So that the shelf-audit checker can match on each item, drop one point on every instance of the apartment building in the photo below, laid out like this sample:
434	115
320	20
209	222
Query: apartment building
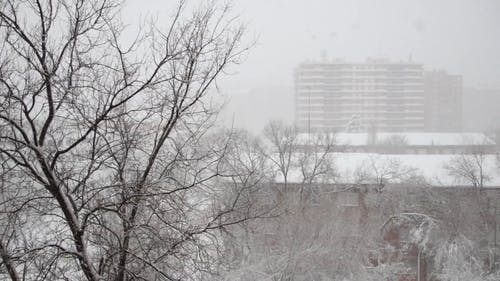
481	109
443	101
375	94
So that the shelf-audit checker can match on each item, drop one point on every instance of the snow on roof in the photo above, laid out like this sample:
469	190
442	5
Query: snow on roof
431	167
358	139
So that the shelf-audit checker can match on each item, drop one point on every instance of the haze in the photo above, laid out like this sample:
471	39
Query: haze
359	141
460	37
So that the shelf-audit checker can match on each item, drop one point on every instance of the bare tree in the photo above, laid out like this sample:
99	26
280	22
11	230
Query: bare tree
282	141
315	158
381	170
471	168
296	244
307	157
457	259
108	172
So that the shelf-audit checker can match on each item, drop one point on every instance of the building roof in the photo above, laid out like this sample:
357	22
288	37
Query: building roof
396	168
436	139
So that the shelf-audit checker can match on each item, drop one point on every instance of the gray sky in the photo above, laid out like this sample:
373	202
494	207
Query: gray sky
460	36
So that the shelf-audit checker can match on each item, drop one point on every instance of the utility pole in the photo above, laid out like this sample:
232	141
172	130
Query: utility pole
495	245
418	263
308	110
495	222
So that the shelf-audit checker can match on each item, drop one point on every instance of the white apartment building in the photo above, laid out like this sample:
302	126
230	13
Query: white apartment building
376	94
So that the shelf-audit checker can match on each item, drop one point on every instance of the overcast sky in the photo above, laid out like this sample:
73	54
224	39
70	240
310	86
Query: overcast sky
460	36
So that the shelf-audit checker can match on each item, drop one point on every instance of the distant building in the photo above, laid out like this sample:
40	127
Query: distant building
443	102
481	109
376	94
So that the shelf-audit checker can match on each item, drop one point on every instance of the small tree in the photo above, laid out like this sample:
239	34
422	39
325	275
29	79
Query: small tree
315	158
381	170
456	259
471	169
282	140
